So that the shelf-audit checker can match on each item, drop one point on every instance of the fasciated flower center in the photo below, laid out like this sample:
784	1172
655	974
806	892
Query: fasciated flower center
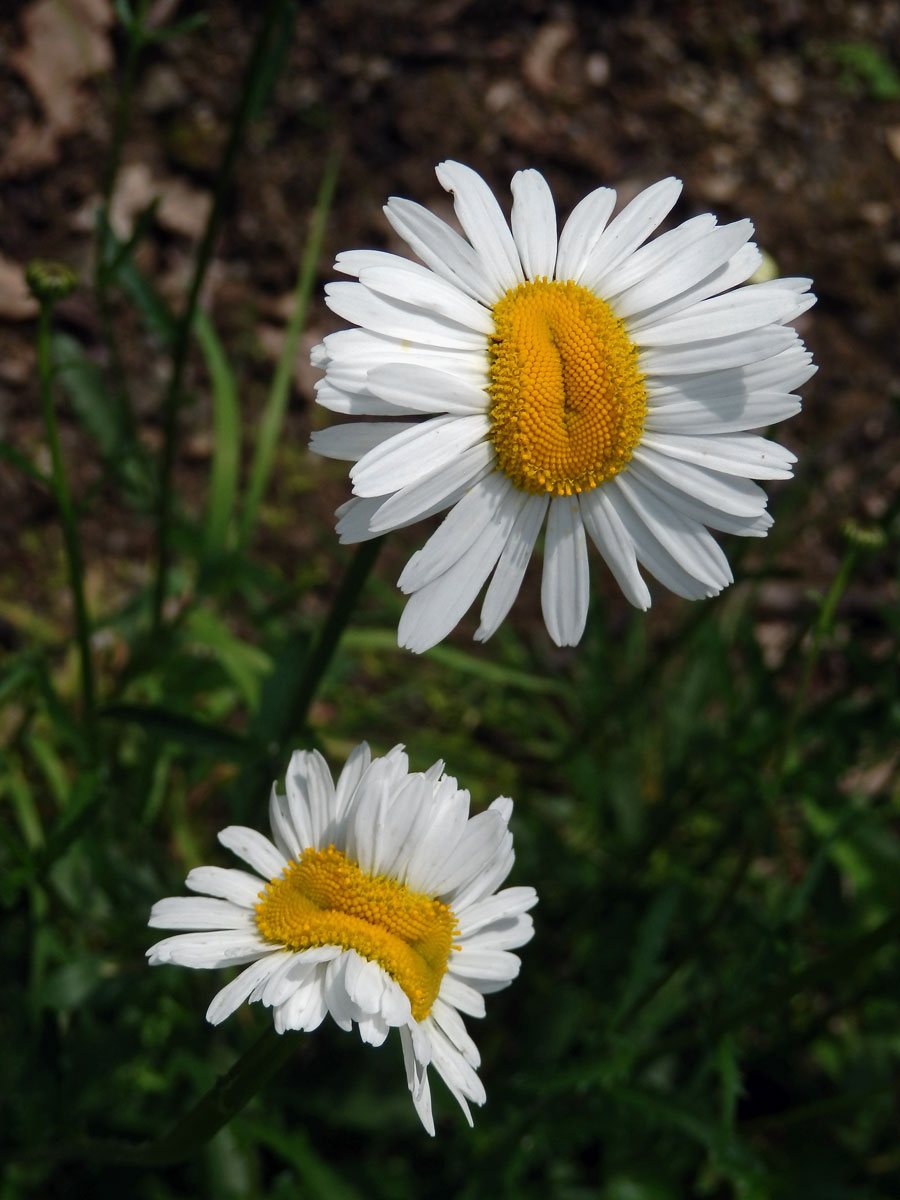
325	899
567	398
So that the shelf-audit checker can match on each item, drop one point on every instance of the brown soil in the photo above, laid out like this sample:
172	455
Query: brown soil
754	106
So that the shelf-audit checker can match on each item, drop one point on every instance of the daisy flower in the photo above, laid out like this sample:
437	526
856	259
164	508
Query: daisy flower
376	901
592	384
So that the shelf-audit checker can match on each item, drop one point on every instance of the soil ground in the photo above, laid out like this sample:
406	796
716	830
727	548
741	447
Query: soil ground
787	112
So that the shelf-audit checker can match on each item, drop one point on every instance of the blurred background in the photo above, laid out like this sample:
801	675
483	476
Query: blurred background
707	795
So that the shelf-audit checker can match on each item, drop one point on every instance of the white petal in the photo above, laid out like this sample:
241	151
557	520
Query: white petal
480	840
355	517
670	546
254	849
431	294
534	223
437	491
483	222
199	912
240	887
609	535
224	948
696	510
351	442
354	262
353	353
452	1026
441	248
731	454
630	228
508	903
233	995
373	1030
336	997
425	390
290	974
457	533
492	966
298	802
781	372
435	609
417	1081
433	839
504	935
359	305
415	453
685	270
650	258
726	414
304	1010
462	995
730	493
356	403
282	827
718	353
565	580
357	764
507	578
720	316
582	231
737	269
365	984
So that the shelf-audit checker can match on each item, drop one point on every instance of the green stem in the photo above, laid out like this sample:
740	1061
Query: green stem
338	618
273	416
257	67
820	629
69	521
102	272
228	1095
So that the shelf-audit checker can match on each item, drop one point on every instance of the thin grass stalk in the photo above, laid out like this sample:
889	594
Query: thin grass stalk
276	405
68	519
102	265
257	67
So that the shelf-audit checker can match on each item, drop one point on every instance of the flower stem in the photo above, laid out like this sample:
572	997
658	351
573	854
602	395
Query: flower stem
257	70
71	540
121	121
225	1099
341	610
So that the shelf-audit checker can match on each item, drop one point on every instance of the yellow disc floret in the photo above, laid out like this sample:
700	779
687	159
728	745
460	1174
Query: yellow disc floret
567	398
326	899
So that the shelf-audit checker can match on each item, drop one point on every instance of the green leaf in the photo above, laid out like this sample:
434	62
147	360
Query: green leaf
101	417
648	948
272	419
226	460
483	669
320	1180
10	454
246	665
180	728
871	66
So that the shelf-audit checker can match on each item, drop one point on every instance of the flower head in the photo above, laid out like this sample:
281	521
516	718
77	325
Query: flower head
375	902
593	384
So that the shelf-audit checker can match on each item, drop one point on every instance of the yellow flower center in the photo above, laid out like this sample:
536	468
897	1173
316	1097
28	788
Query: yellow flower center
325	899
567	398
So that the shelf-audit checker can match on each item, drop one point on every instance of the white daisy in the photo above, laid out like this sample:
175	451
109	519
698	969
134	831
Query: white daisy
589	382
377	903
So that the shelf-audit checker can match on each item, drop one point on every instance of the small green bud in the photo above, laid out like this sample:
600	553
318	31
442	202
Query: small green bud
864	537
49	281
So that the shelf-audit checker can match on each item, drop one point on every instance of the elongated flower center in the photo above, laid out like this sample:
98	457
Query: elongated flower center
325	899
567	399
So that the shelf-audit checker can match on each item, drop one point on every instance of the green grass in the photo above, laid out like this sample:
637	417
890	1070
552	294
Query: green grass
710	1004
